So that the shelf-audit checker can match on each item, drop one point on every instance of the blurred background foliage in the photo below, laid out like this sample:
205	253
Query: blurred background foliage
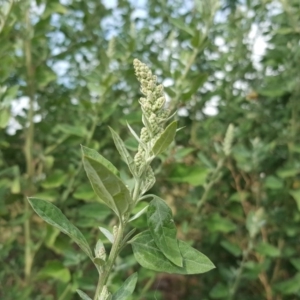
66	74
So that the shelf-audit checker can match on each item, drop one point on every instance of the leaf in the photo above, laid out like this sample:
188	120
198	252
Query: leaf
288	172
127	288
53	216
296	195
149	256
137	215
219	291
108	234
268	250
181	25
296	263
48	195
273	182
193	175
123	151
55	269
216	223
56	179
232	248
4	117
72	130
108	187
166	138
83	295
94	211
84	192
93	154
290	286
163	230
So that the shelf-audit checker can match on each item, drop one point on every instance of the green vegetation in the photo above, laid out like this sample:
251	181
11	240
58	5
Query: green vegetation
230	180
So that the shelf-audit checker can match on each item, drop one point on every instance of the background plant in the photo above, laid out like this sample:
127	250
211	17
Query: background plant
156	248
236	60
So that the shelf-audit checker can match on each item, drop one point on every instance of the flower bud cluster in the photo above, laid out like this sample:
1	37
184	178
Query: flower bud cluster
154	113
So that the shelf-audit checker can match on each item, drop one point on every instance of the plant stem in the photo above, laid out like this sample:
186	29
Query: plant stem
103	277
240	270
214	178
29	135
111	260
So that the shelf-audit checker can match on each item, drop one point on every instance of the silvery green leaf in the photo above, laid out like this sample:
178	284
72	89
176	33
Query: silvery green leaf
123	151
93	154
150	256
137	215
165	139
108	234
126	289
53	216
83	295
108	187
163	230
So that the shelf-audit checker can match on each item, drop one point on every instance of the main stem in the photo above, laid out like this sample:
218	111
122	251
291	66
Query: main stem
214	179
103	277
29	135
111	260
238	277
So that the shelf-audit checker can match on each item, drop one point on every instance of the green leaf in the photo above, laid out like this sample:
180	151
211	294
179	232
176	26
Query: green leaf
268	250
296	263
219	291
49	195
166	138
83	295
288	172
108	187
149	256
232	248
123	151
4	117
93	154
296	195
72	130
126	289
137	215
216	223
181	25
56	179
55	269
107	234
290	286
84	192
53	216
193	175
163	230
